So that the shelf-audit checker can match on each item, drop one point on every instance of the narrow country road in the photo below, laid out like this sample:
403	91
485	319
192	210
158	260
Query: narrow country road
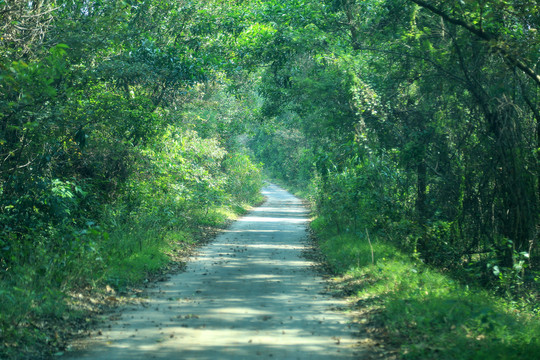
248	295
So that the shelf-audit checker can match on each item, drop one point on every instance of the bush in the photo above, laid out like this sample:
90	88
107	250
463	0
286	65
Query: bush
244	178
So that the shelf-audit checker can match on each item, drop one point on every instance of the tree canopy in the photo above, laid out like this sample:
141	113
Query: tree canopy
418	121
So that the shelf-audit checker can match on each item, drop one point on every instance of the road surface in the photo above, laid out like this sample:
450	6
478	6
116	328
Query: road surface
250	294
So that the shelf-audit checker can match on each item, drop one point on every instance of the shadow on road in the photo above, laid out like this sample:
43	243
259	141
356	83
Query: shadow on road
248	295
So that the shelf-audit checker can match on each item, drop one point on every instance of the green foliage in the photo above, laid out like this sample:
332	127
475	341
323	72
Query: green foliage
428	314
122	123
349	252
245	179
351	197
415	123
421	129
134	268
119	141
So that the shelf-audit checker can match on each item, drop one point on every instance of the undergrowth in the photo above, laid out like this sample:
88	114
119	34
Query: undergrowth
428	314
69	248
38	304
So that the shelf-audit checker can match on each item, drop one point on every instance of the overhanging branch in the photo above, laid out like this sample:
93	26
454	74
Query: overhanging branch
492	39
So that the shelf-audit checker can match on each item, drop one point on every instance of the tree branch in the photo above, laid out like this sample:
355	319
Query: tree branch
492	39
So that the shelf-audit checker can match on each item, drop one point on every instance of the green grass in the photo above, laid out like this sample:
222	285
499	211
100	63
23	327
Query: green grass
426	313
139	251
36	299
28	298
134	268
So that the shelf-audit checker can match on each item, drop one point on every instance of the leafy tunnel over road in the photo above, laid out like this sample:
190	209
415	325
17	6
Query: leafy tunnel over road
249	294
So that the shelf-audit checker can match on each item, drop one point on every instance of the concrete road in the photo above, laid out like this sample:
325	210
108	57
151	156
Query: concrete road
248	295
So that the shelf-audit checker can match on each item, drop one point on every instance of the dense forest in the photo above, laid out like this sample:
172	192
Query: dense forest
127	127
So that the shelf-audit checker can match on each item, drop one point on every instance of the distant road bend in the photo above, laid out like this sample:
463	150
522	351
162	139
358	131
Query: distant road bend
248	295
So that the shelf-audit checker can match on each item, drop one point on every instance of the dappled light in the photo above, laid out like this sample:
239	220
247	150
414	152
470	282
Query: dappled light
134	132
248	294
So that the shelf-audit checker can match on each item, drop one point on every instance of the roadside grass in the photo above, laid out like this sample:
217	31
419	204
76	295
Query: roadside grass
43	303
425	313
151	251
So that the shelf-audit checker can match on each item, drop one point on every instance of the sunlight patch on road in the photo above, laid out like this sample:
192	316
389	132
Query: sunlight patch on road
267	219
280	210
275	246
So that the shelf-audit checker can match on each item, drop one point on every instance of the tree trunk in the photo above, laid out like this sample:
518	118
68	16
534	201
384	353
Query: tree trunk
421	171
